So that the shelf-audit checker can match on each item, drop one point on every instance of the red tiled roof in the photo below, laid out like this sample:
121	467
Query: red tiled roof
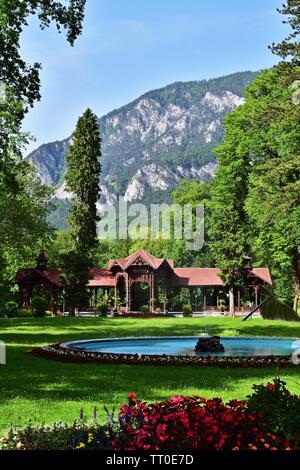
209	276
154	262
101	278
197	277
181	277
51	274
263	274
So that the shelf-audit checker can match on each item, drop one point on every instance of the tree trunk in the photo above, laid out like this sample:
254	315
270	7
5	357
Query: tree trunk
297	298
296	270
71	311
231	303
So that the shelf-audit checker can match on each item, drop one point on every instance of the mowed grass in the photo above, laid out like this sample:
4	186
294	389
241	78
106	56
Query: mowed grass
45	391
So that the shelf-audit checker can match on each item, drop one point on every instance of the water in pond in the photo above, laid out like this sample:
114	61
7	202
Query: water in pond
236	346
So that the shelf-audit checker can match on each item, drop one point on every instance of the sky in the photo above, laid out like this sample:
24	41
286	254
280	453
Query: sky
129	47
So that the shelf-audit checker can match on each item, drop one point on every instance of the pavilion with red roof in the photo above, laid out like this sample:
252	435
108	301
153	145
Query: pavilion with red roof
141	279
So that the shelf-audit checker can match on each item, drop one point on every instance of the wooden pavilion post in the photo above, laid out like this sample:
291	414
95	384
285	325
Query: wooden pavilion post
256	289
152	292
239	299
116	294
218	297
204	299
231	302
127	294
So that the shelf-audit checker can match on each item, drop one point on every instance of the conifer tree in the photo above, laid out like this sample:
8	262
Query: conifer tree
82	180
290	46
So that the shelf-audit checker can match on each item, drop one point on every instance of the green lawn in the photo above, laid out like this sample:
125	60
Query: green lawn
46	391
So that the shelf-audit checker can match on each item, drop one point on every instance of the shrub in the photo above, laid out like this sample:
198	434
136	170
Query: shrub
193	423
187	310
228	332
222	305
280	408
145	309
102	309
180	423
24	313
80	435
185	296
11	308
39	306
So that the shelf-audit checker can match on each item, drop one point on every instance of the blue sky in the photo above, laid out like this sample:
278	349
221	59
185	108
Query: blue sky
129	47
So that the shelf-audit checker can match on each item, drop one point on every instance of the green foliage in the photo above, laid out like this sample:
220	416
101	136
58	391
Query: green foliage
79	435
60	244
24	313
187	310
195	193
255	197
82	179
23	225
185	296
273	202
75	278
14	72
229	225
11	308
281	409
58	215
228	332
102	309
272	309
290	46
39	306
222	305
145	309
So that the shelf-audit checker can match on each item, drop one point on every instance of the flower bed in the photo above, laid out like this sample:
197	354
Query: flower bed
144	315
179	423
60	353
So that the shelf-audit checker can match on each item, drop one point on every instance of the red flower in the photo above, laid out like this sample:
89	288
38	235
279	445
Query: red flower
271	387
131	396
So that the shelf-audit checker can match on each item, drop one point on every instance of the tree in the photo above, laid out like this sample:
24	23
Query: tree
258	182
75	279
290	47
22	78
193	192
82	179
229	227
273	204
23	225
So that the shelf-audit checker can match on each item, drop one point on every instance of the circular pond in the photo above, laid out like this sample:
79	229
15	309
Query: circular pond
185	345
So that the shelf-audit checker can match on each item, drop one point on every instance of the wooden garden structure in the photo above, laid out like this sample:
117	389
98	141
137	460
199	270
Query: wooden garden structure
142	279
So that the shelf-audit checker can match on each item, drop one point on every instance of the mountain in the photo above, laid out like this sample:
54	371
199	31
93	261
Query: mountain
150	144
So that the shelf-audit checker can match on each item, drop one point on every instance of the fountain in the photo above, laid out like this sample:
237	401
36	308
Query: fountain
209	344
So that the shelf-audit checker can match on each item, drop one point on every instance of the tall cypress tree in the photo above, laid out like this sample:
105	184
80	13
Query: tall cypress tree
82	179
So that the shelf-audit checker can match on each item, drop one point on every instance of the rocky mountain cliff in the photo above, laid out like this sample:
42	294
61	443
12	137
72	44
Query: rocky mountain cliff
153	142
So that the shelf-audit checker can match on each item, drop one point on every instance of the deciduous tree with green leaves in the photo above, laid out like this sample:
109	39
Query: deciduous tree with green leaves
256	192
229	226
21	77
